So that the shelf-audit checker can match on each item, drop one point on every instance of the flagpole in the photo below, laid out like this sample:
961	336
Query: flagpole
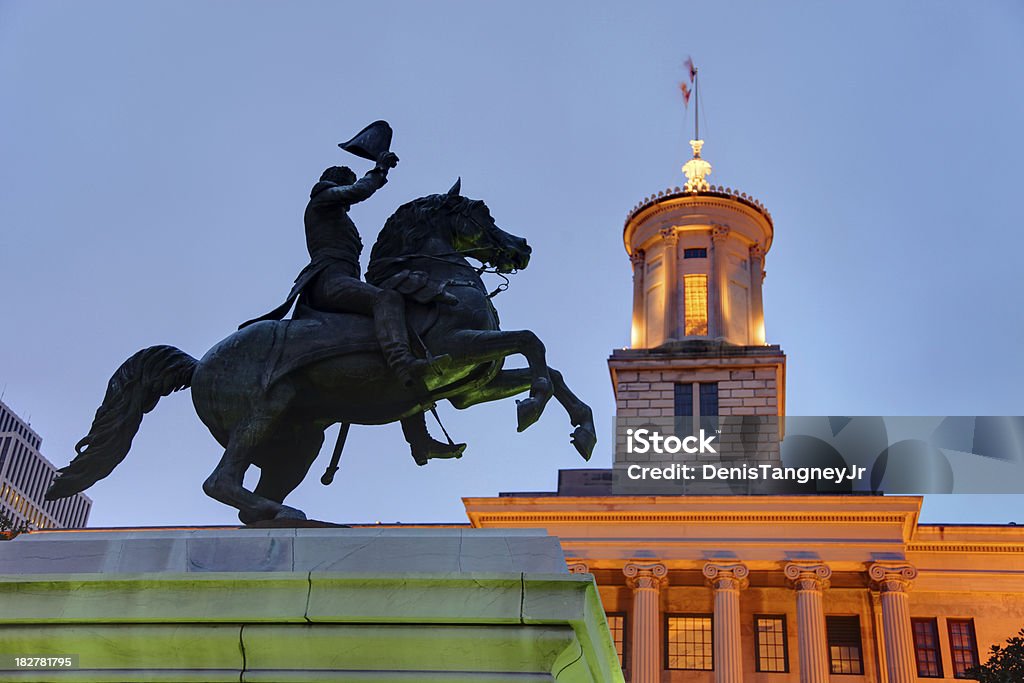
696	105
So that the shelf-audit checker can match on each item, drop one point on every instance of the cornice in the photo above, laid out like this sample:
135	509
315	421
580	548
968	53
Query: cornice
671	202
716	192
675	517
965	548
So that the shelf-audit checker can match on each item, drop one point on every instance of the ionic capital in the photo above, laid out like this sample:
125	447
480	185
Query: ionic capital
719	232
669	235
637	257
756	252
808	577
577	567
650	576
892	577
726	576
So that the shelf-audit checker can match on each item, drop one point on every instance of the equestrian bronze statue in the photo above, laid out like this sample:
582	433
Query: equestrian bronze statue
269	391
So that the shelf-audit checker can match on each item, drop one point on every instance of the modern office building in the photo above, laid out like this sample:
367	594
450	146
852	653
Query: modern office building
24	477
755	588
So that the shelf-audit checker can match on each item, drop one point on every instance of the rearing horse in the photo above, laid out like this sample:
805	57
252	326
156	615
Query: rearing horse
268	392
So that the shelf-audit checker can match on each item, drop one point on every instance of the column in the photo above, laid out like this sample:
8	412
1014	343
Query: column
727	580
718	283
671	260
756	303
809	581
636	339
646	580
893	582
876	613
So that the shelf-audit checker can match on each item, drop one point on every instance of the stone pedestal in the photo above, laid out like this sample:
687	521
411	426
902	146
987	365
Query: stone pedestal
288	605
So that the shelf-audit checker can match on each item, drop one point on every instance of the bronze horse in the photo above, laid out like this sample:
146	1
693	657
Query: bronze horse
269	391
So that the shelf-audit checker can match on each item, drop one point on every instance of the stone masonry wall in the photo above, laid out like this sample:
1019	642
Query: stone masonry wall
651	392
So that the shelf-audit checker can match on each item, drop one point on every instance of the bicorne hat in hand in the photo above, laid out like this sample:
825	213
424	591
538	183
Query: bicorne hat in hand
370	142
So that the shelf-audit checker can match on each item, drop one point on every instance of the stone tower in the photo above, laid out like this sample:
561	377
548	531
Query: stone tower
698	334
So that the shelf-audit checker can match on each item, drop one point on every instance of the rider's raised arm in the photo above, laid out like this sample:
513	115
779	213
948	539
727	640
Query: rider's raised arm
360	189
369	183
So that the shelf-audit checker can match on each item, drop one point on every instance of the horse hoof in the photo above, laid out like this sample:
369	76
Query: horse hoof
584	440
289	513
528	411
248	518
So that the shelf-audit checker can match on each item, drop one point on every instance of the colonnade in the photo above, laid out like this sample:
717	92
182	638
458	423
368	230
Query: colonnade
808	580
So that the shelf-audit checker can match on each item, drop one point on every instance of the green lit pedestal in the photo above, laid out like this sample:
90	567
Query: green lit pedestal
301	605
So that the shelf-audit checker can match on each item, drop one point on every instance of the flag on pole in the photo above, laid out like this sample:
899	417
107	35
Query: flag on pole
685	89
691	68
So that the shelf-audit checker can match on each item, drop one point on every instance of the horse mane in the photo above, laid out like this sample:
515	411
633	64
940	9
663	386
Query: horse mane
407	229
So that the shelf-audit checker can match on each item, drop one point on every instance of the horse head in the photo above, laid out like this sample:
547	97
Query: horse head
475	234
459	224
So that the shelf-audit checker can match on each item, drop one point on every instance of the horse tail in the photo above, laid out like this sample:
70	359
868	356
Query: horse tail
132	392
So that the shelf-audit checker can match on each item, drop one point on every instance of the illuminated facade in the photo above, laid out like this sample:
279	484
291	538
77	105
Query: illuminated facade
24	477
755	589
780	589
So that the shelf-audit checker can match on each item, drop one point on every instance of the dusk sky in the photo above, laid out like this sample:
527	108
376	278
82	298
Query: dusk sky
156	158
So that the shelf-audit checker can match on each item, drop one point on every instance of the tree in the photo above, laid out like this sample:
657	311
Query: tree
1005	663
8	529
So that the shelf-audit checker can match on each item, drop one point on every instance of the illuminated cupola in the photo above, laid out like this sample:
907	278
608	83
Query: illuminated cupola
698	262
698	345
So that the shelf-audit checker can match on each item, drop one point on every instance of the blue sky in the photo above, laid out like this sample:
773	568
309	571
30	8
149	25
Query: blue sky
155	159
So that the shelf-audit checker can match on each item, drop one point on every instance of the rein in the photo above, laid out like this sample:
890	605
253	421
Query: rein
493	270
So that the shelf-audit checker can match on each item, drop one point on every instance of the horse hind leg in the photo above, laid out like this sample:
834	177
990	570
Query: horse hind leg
225	483
286	464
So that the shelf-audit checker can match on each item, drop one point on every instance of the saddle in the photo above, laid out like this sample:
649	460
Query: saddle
312	335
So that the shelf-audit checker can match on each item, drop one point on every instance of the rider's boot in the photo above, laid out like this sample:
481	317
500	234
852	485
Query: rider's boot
423	446
393	335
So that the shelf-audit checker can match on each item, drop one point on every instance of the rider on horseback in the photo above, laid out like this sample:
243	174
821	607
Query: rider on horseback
330	282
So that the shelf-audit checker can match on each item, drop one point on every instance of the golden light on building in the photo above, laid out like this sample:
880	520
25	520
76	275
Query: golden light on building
695	303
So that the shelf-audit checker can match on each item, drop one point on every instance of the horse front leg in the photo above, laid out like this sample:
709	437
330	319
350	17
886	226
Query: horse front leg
584	437
477	346
508	383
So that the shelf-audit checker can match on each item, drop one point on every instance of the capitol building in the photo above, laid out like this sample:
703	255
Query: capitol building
755	588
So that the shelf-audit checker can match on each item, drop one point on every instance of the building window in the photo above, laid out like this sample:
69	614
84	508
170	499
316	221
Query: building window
770	643
926	648
695	301
617	626
684	400
709	406
688	642
703	396
844	644
695	253
963	648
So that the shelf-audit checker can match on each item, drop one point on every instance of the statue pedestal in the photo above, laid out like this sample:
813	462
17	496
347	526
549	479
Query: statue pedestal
283	605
